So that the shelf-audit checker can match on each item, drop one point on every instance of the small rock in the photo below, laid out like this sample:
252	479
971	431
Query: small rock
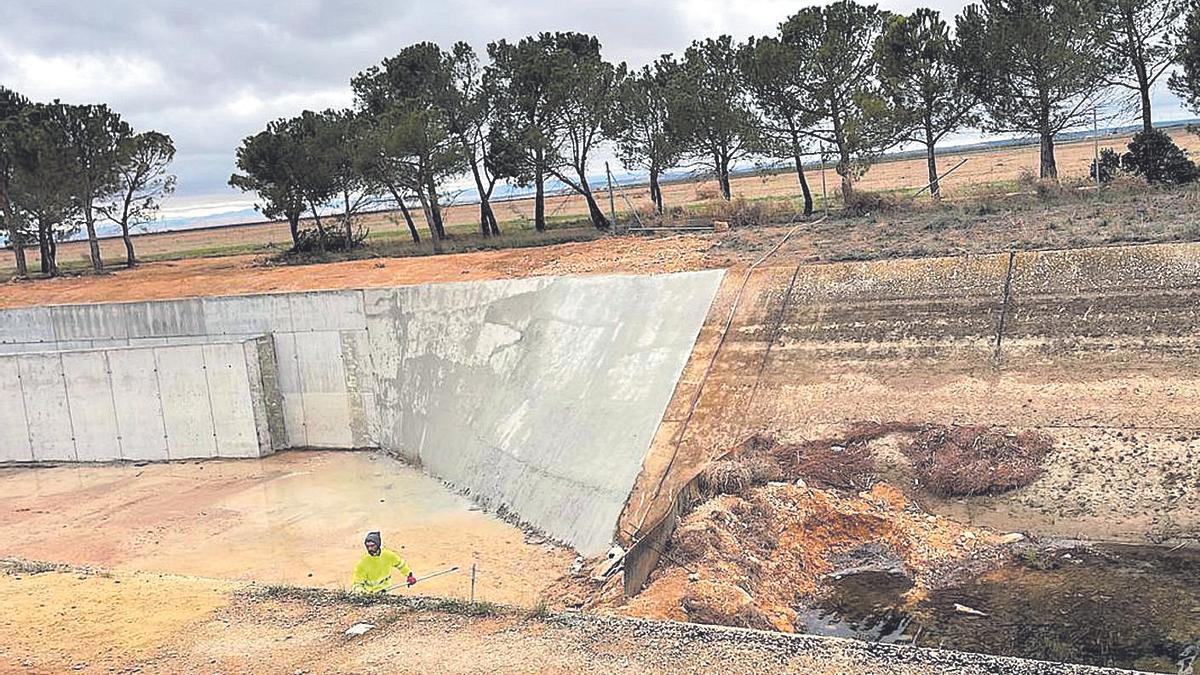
1012	538
359	629
696	577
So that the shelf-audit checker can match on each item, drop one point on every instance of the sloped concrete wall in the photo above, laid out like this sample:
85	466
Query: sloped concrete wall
139	403
540	396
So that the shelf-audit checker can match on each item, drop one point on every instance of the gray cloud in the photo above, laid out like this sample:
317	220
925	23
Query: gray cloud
211	72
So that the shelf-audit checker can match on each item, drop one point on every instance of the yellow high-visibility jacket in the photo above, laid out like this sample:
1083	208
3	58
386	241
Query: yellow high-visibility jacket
373	573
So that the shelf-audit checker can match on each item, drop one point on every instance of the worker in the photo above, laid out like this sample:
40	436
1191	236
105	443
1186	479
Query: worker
373	573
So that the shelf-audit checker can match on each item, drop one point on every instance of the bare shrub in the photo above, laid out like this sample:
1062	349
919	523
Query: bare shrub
764	469
730	476
843	462
741	212
972	460
863	203
830	463
705	192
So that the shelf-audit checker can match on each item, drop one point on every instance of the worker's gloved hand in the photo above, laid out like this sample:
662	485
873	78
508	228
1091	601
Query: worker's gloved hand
411	579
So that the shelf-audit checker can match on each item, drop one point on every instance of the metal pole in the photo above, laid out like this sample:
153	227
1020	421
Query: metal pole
824	191
1096	147
612	204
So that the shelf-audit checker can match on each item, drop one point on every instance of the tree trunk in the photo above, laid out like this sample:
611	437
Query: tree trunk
49	250
935	187
539	200
433	233
495	224
656	190
320	228
1144	92
43	250
19	252
487	220
843	167
599	220
808	198
130	258
1048	167
93	241
293	219
408	219
722	170
435	209
346	219
15	236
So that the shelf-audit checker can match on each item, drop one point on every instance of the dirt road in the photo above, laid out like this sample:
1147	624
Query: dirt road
73	621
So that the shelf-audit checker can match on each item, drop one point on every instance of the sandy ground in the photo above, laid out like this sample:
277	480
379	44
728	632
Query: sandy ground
1007	164
67	621
291	518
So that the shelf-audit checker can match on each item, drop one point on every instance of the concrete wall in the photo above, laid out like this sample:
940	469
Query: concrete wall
539	396
319	341
139	403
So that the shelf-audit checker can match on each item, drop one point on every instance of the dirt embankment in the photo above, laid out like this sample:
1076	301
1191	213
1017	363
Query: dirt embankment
1096	349
781	522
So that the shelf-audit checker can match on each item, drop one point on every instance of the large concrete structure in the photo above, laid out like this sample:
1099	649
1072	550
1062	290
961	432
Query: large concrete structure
538	396
140	403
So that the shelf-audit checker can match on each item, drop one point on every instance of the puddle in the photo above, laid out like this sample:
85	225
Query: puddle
1121	606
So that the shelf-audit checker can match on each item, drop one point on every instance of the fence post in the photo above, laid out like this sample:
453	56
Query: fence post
472	583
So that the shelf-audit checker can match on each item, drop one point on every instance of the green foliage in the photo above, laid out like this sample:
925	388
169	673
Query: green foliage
1155	157
1142	44
711	107
923	78
271	163
778	84
641	125
1036	65
552	95
12	108
1185	83
142	182
836	44
519	80
583	85
1109	166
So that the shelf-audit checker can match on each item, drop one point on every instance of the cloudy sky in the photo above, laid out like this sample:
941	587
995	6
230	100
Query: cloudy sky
210	72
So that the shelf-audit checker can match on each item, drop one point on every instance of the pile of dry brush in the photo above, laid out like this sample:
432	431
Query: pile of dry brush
949	461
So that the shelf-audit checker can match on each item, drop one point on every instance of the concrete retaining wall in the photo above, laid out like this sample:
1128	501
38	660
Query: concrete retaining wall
140	403
539	396
319	341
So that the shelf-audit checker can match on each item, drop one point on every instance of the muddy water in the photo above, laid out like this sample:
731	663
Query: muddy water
294	518
1122	606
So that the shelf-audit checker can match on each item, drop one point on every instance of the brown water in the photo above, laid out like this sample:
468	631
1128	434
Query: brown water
1110	605
294	518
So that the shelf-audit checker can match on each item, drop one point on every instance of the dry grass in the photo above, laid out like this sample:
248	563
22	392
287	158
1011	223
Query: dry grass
973	460
949	461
